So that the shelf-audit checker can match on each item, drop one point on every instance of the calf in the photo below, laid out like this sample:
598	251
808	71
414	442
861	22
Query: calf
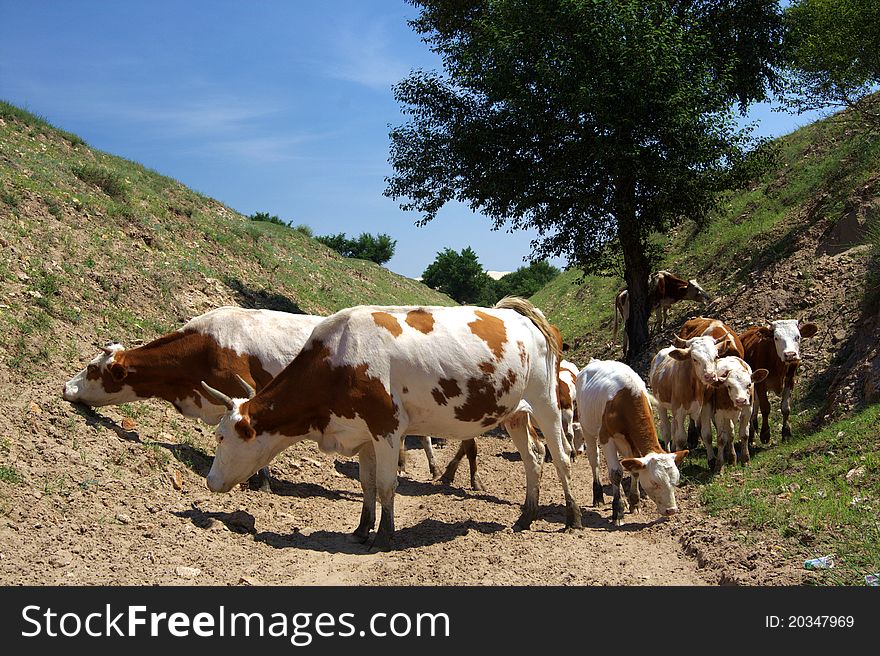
777	348
369	375
679	377
615	410
729	404
664	289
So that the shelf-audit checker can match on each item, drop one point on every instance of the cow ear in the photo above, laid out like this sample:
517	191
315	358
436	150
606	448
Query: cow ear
766	331
759	374
808	329
565	346
679	456
679	354
632	464
118	371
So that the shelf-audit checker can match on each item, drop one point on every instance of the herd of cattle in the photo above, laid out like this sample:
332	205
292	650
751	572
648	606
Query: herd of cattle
361	380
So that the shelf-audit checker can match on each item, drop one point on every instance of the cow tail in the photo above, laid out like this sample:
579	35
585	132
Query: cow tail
523	307
616	308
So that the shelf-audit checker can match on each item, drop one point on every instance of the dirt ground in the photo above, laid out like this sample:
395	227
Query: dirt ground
108	499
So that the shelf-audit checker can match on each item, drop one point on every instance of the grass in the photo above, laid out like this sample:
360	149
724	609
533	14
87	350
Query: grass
800	490
9	475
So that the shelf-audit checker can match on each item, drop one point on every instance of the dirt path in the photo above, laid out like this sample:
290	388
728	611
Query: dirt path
98	503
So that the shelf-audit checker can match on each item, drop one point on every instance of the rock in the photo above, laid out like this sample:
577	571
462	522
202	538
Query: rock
241	522
855	473
122	518
35	409
128	424
187	572
176	480
61	558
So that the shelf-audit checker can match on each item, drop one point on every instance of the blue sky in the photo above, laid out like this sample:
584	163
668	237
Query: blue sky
276	106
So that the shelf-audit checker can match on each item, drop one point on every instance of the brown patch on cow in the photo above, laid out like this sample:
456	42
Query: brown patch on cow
244	429
388	322
481	403
491	330
347	391
421	320
630	415
523	356
450	388
439	397
507	382
563	396
487	368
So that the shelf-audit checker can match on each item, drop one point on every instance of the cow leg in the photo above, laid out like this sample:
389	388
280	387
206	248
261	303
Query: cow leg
401	460
764	405
579	444
386	485
787	386
693	433
550	423
260	481
724	441
591	445
706	435
518	429
429	453
665	428
367	475
615	473
679	435
632	496
745	417
449	475
470	447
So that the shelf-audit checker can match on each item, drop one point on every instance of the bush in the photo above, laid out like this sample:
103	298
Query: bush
460	276
526	281
111	183
267	218
378	249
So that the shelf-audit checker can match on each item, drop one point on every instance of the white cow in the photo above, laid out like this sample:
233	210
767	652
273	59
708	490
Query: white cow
615	410
369	375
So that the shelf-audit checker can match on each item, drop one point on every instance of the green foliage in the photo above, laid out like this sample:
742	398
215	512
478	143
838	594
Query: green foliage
526	280
461	276
110	182
378	249
8	474
268	218
596	122
833	53
304	229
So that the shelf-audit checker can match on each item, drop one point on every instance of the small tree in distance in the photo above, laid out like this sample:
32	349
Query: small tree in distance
460	276
378	248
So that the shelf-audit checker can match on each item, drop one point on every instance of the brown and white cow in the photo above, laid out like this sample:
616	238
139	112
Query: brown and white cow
369	375
680	377
731	346
615	410
777	348
664	289
728	404
218	347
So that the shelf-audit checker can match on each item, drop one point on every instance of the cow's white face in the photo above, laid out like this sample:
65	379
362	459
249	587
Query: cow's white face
787	335
703	352
737	378
239	452
696	293
101	382
659	476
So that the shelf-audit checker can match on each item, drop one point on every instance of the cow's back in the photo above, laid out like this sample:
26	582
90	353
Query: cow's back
700	326
674	382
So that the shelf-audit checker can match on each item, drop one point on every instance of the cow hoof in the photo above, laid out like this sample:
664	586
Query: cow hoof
445	480
712	463
435	473
477	485
378	547
765	437
617	523
786	433
357	538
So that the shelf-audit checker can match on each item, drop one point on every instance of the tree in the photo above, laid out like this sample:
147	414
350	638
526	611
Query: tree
833	54
460	276
597	122
379	248
526	280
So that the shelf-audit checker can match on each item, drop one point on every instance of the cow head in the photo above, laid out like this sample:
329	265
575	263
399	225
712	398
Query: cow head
659	476
703	352
696	293
240	453
737	378
102	382
787	335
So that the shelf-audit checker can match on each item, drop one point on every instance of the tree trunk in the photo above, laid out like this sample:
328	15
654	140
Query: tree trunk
636	269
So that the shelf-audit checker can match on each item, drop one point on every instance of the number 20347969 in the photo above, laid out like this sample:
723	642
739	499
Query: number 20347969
809	621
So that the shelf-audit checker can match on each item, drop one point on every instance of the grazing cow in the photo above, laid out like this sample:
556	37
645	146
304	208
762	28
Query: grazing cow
615	410
218	346
369	375
729	404
776	348
697	327
679	377
664	289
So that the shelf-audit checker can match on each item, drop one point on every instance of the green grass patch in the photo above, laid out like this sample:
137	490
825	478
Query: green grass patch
9	475
821	491
111	183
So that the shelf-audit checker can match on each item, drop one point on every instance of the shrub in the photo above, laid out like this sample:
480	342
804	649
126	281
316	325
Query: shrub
111	183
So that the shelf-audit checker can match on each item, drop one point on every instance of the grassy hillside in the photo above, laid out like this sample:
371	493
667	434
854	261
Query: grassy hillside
95	247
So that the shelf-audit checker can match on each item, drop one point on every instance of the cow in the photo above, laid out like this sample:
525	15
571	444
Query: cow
731	346
777	348
219	346
369	375
729	405
614	407
679	378
664	289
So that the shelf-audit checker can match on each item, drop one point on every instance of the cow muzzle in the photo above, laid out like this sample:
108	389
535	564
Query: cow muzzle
216	485
70	393
791	356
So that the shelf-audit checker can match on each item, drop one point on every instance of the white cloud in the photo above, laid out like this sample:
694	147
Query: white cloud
364	56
